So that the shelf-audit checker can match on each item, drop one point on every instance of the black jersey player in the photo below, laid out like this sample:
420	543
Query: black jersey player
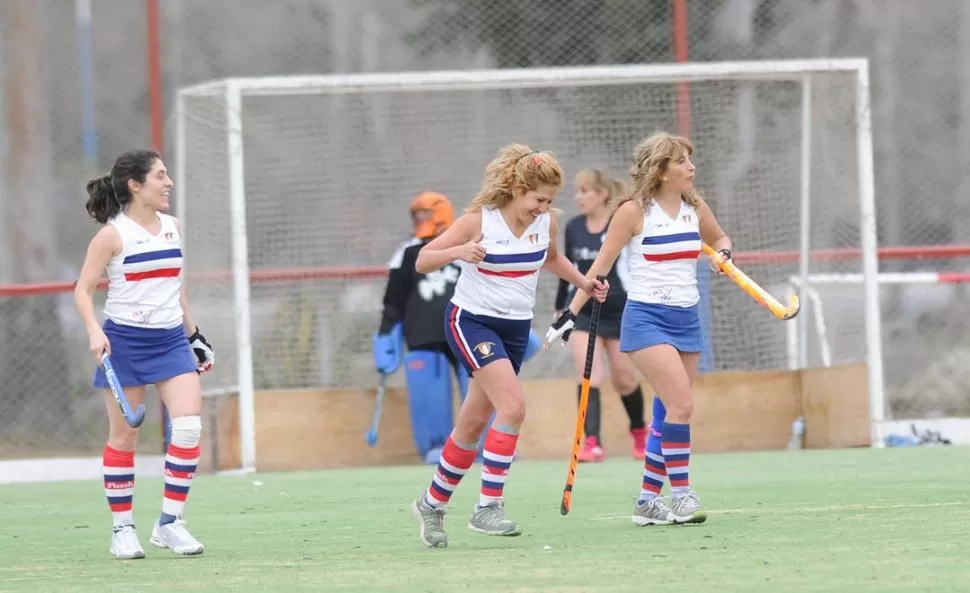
595	191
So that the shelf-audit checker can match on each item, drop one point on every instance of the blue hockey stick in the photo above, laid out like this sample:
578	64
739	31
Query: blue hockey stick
378	409
134	419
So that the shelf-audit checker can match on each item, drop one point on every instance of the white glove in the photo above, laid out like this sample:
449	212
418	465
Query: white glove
204	355
561	327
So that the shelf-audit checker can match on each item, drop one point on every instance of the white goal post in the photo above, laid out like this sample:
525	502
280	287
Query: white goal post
283	180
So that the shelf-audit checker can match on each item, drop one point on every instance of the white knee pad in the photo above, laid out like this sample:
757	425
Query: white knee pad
186	431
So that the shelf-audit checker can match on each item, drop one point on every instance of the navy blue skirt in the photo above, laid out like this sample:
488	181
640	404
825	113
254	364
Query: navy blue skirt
649	324
144	356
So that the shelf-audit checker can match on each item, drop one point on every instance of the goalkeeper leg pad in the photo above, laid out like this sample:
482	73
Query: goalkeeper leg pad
429	398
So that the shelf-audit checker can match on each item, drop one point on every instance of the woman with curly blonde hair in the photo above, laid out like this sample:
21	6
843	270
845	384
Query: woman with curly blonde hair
506	235
662	222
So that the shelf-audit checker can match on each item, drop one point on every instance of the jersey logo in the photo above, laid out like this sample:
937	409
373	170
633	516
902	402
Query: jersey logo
435	284
485	349
534	238
584	254
688	218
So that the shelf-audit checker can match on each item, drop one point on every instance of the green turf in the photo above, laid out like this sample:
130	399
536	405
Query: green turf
852	520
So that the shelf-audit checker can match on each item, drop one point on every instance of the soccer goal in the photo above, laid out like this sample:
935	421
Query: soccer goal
293	193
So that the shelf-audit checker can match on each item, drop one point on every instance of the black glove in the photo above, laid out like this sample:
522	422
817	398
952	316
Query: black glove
204	355
724	253
561	327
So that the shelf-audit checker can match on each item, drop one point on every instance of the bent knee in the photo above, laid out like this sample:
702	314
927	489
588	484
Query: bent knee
680	409
512	410
624	383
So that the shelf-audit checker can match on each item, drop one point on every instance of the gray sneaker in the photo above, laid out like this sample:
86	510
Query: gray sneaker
686	508
432	522
491	520
176	538
652	512
125	544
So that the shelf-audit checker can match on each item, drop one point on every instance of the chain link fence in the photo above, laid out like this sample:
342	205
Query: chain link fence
72	96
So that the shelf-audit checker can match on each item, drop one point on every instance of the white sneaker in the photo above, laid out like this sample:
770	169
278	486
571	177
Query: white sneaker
686	508
176	538
125	544
652	512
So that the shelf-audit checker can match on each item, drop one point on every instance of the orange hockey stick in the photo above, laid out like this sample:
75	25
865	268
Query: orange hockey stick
567	492
752	288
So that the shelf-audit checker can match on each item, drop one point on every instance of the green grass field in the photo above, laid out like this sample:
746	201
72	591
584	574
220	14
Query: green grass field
850	520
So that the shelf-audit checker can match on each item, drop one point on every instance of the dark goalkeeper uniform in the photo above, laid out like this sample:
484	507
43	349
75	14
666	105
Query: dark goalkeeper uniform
418	300
582	247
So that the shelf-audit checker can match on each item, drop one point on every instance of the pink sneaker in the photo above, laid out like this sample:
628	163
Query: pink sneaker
639	442
592	451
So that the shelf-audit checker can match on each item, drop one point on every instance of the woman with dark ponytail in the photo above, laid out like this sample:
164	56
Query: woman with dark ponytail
151	337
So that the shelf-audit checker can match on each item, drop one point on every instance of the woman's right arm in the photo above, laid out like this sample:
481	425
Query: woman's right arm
459	242
105	244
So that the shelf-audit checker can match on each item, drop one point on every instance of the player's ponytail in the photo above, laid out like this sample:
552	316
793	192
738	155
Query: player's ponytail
109	195
516	166
102	205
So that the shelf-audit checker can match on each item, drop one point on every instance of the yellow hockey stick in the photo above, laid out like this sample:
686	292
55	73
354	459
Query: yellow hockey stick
752	288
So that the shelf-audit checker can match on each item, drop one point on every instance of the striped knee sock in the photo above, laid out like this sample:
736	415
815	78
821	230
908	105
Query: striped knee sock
180	466
496	461
119	483
654	469
452	466
676	453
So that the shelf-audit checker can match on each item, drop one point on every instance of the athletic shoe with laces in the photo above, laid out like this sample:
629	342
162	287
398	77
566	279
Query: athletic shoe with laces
491	520
652	512
592	451
125	544
176	538
432	520
686	508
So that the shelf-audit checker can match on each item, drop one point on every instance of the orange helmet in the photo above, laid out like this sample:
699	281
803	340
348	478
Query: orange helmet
432	214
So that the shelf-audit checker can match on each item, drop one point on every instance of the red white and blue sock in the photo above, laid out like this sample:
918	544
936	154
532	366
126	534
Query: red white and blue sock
180	466
496	461
654	468
119	483
676	453
453	464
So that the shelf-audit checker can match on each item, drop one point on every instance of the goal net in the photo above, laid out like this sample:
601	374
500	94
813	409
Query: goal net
294	194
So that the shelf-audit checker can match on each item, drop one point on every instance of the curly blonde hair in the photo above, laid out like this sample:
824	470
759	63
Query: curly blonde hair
516	167
603	180
651	159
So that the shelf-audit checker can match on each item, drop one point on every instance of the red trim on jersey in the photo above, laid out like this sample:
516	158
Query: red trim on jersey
162	273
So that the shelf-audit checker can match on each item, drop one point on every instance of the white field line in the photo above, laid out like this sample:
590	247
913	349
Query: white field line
816	509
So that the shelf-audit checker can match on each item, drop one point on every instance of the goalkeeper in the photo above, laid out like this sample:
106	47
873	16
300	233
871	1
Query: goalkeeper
414	307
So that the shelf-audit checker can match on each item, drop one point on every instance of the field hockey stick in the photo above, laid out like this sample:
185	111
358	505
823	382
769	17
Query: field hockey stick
567	492
134	419
752	288
378	410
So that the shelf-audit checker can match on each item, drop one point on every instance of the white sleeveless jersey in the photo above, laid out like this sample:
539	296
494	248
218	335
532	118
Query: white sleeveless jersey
663	258
504	283
144	279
